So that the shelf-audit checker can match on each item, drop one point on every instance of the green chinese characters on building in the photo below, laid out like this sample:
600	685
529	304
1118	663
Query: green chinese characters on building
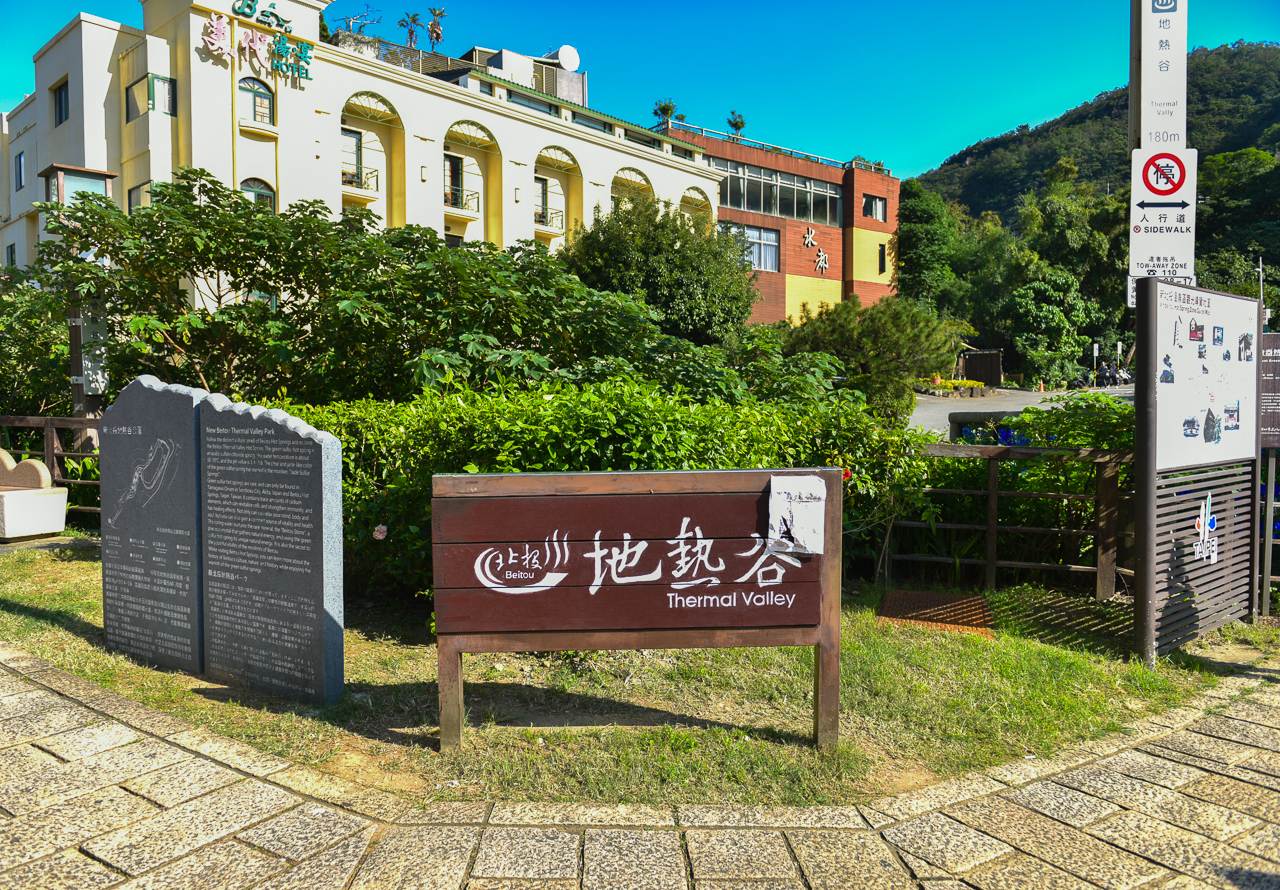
291	61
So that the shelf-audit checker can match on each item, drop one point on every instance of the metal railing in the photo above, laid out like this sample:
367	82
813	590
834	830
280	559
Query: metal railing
359	176
666	127
52	454
550	219
462	199
1105	530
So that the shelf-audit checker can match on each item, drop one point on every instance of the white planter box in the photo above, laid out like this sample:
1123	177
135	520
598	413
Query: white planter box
32	511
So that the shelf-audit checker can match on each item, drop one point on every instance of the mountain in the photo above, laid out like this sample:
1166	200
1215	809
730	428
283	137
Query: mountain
1233	103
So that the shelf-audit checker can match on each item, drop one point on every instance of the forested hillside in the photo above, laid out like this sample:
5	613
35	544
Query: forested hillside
1233	95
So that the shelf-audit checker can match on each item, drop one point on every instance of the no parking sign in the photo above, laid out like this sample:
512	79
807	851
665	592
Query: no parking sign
1162	215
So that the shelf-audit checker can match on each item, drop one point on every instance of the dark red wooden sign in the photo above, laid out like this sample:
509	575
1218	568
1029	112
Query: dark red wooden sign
537	562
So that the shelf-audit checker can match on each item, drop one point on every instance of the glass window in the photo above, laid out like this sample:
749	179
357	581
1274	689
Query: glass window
139	196
257	102
165	95
875	207
259	192
531	102
883	260
802	202
819	209
755	200
540	193
61	104
735	192
762	248
74	183
486	88
19	171
593	123
724	192
770	198
11	255
136	101
787	201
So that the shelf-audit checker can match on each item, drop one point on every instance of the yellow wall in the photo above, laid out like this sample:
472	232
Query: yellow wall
864	248
816	292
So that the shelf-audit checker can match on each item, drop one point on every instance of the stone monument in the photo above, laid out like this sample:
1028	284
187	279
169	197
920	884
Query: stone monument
272	534
151	524
222	540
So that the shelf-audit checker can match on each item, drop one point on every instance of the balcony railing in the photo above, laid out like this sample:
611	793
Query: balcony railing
551	219
462	199
359	176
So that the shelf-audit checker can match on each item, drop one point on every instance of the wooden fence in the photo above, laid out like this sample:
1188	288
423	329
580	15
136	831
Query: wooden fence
1106	498
52	453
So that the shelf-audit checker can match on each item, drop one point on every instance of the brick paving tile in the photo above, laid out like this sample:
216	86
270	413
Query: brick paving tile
935	797
70	685
1208	747
70	870
1021	872
1264	842
1156	770
700	816
77	744
1263	762
622	859
1177	718
530	853
1160	803
924	871
580	814
1237	795
446	813
1182	882
44	831
1059	845
26	663
417	858
329	870
181	782
1059	802
521	884
1144	730
1187	852
68	780
1020	772
1232	685
236	755
945	885
11	685
304	831
1106	746
1254	712
739	855
741	884
1239	731
875	818
139	716
31	727
376	804
1266	698
837	860
23	760
314	783
189	826
222	866
24	703
946	843
1209	766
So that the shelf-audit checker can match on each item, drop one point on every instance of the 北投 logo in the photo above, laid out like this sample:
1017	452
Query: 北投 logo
1164	5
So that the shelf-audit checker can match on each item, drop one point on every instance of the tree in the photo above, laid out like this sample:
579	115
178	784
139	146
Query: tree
34	349
411	23
923	245
736	123
664	110
435	33
693	272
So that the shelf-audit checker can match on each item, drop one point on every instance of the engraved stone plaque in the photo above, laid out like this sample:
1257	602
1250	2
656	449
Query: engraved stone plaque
272	530
151	524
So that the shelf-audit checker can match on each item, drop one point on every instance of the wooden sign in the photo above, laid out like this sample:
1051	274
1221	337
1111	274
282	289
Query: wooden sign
644	560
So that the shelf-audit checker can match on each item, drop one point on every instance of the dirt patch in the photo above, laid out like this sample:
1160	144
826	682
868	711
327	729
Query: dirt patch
937	611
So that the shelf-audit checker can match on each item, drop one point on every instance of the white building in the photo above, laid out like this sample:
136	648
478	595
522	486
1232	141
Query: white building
482	148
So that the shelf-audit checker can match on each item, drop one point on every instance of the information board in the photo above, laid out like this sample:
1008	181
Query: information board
1207	383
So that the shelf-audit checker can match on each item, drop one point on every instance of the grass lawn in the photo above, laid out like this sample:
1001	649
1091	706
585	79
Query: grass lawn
657	727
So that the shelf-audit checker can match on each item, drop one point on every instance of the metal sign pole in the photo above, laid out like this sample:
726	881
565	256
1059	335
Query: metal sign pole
1144	604
1268	534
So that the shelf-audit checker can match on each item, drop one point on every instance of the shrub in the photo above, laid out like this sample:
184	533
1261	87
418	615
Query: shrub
891	399
391	451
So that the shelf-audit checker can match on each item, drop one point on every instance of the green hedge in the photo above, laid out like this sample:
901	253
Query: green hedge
390	452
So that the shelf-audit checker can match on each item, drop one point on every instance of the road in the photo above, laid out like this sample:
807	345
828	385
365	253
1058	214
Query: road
932	412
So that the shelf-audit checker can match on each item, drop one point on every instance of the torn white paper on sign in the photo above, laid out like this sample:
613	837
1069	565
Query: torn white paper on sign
797	514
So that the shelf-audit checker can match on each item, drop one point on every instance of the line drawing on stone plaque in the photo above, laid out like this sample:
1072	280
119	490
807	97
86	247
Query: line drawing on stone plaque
158	462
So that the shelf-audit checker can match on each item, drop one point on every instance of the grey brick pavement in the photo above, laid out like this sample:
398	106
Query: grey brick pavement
98	792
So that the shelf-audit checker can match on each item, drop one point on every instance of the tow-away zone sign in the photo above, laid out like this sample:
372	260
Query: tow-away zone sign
1162	215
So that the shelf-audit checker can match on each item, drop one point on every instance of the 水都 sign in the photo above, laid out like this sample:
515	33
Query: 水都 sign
649	560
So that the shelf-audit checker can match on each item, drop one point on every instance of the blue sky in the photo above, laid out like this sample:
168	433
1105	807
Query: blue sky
907	83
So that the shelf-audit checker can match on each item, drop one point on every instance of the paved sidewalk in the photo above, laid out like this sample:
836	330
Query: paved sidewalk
97	791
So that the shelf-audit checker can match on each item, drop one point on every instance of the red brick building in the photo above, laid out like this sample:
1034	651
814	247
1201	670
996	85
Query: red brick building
819	228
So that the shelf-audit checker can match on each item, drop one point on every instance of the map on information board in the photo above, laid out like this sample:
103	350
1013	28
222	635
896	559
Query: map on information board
1207	377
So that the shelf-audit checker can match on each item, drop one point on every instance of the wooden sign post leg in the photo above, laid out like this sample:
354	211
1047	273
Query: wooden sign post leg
826	655
449	680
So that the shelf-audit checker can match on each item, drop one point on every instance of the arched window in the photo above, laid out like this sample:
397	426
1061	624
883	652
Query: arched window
259	192
257	103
